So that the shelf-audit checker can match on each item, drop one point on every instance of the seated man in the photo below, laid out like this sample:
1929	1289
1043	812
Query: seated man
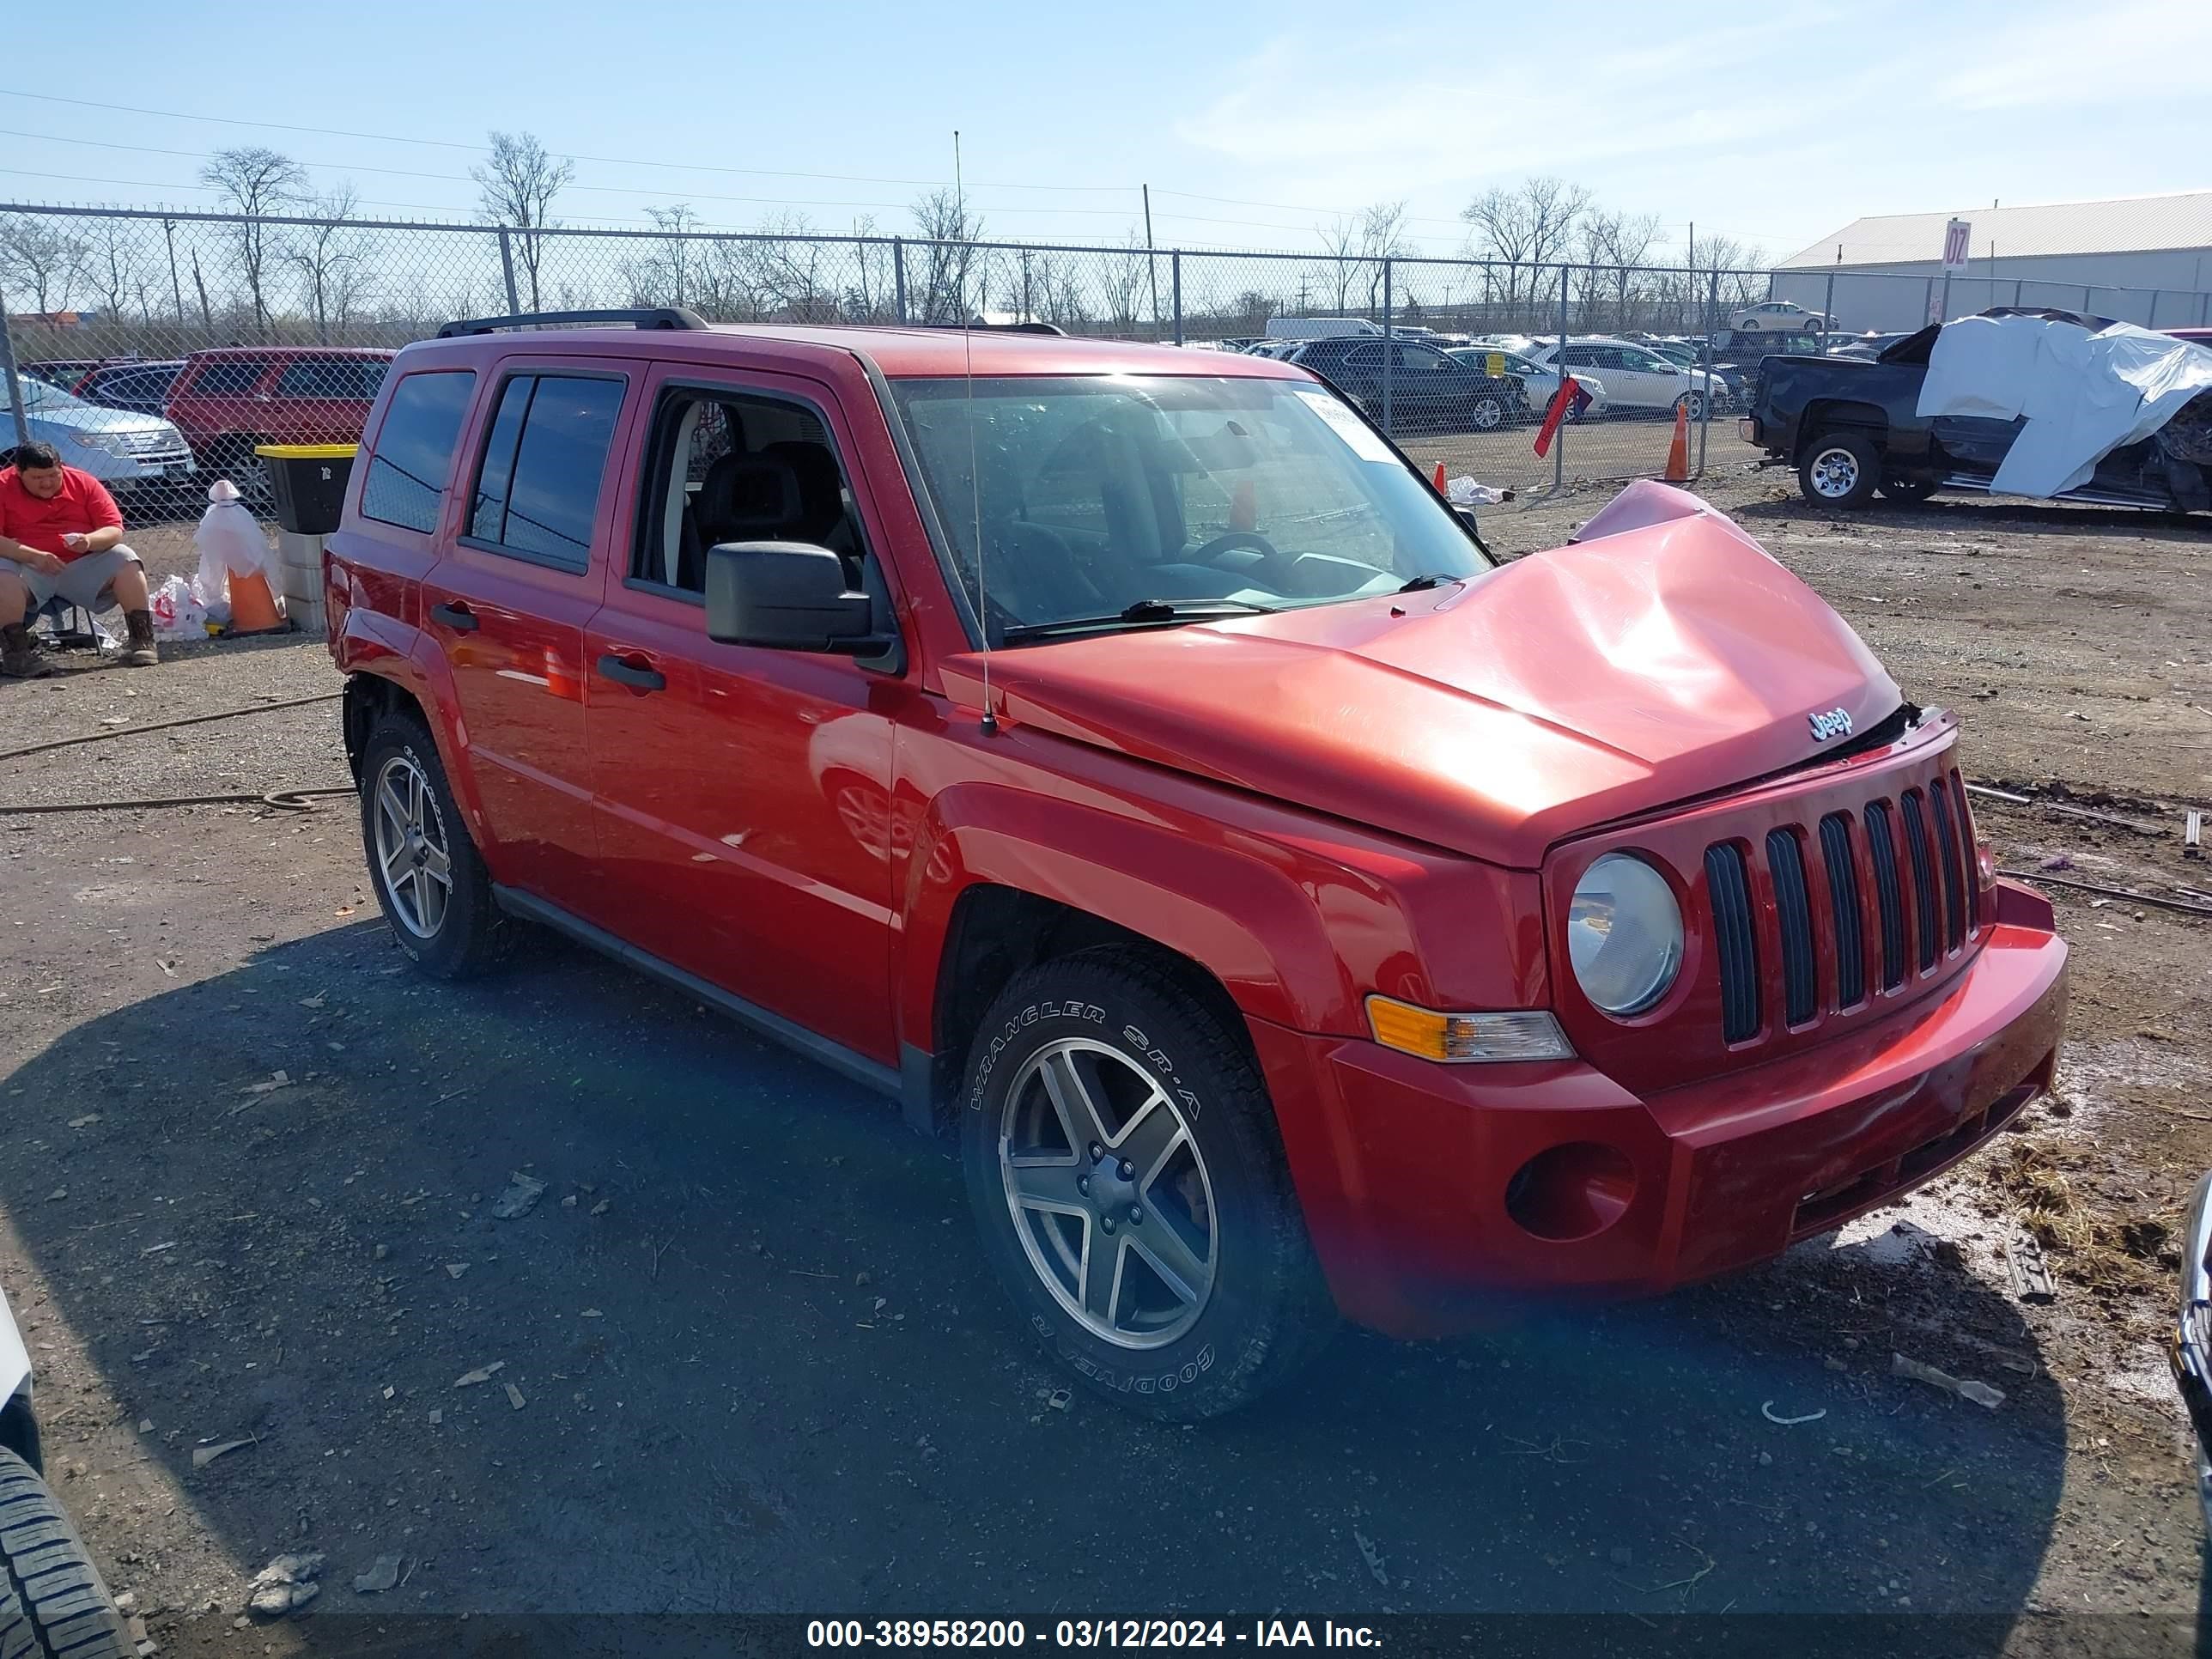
61	536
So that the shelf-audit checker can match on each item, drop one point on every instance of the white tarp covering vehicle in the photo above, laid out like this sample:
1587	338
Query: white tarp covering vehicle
2081	394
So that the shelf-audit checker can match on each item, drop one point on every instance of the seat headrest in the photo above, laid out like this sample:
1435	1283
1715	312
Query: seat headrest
757	497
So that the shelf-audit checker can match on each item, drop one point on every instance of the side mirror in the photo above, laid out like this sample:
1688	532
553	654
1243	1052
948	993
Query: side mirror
786	596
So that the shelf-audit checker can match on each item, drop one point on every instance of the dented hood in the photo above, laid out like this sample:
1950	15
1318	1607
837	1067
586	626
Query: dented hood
1663	655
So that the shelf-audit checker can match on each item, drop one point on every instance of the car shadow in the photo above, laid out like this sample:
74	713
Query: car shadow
758	1363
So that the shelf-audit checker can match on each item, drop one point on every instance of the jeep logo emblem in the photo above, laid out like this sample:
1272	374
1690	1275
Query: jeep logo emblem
1832	723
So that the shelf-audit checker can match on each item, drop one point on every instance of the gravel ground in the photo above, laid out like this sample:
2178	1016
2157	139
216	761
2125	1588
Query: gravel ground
759	1365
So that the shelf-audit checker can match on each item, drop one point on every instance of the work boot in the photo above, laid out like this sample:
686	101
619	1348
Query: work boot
19	658
140	653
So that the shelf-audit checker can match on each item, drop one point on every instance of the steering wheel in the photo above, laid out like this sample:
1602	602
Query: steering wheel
1273	560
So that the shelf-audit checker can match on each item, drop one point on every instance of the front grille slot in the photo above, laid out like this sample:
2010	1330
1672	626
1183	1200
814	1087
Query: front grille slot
1793	910
1924	877
1954	886
1734	943
1889	897
1844	904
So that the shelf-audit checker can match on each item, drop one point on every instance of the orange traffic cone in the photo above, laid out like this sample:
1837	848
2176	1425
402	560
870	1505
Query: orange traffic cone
1439	479
1678	453
252	610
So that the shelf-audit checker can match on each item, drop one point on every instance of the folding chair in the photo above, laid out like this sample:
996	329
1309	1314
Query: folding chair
69	626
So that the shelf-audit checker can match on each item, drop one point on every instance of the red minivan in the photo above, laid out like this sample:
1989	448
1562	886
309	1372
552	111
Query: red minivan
1121	756
229	400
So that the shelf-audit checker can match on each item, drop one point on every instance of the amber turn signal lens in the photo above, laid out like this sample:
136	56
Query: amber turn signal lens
1522	1034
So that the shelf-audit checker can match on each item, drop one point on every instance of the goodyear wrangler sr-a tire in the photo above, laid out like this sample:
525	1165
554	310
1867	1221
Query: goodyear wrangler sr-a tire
1130	1188
52	1603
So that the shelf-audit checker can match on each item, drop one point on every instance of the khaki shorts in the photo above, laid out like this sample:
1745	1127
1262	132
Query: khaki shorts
83	580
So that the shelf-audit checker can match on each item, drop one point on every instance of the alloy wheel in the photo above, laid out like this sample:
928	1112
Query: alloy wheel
1834	473
1109	1193
413	860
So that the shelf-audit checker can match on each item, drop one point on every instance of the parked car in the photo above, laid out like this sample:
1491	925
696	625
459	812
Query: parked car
1636	379
230	400
1539	385
131	453
64	372
1290	912
142	388
53	1601
1318	328
1690	354
1853	427
1431	390
1784	316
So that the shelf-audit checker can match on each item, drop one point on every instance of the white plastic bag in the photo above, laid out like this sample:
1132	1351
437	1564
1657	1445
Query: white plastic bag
177	612
229	540
1464	492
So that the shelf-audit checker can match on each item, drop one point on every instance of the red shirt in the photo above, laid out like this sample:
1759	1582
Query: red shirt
83	506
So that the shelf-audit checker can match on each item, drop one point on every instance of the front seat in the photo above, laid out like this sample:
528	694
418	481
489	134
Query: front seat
743	498
821	518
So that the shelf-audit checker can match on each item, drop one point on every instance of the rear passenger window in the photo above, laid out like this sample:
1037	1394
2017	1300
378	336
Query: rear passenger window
414	456
537	484
335	379
229	376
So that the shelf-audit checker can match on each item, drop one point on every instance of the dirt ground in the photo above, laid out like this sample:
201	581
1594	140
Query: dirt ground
748	1357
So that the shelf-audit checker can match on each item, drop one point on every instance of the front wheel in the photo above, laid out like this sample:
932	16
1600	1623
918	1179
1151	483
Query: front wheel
430	883
1841	470
1130	1187
52	1600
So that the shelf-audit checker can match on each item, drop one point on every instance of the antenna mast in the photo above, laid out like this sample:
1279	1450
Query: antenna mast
975	478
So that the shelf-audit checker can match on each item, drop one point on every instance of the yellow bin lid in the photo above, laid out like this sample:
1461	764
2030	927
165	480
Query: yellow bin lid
307	452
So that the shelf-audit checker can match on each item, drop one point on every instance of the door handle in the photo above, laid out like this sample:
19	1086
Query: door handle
458	617
636	676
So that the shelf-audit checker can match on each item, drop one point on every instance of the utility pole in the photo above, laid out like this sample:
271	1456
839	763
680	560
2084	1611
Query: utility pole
1152	264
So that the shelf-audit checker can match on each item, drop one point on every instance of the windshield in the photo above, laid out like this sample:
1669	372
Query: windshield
1098	493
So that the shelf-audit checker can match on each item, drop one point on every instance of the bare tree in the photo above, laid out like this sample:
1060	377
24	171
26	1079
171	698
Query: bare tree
516	189
114	264
786	271
1381	236
1531	226
1340	242
256	181
328	253
40	259
950	231
1254	308
669	275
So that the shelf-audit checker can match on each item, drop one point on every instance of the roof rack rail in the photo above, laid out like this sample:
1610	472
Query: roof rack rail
1003	328
639	317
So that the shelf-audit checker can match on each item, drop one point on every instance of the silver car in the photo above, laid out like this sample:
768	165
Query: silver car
126	451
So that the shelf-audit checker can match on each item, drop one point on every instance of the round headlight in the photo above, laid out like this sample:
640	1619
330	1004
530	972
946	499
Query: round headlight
1623	934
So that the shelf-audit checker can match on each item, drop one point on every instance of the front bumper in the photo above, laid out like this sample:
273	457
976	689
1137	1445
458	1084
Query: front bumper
1403	1166
2191	1348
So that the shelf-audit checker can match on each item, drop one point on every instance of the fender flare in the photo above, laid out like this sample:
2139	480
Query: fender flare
374	644
1243	920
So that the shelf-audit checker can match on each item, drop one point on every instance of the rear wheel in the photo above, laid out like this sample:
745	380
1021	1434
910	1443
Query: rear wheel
430	883
1123	1164
234	459
52	1601
1841	470
1486	414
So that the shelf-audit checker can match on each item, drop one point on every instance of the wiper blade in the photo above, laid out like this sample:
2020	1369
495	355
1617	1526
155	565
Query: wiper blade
1143	613
1426	580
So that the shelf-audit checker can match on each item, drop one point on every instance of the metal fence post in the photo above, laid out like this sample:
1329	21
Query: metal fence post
1828	312
1705	355
1389	350
1175	275
506	270
1945	317
1559	437
898	275
15	381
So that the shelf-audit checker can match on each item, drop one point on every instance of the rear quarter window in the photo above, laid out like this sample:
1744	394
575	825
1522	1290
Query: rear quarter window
331	379
412	464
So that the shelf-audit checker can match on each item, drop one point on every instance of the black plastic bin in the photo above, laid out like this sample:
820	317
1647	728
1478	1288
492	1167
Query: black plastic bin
308	482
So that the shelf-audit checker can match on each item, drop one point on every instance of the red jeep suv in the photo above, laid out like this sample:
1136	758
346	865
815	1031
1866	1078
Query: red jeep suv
1123	758
228	399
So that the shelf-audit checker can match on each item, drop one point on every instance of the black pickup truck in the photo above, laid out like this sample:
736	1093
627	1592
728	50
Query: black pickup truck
1850	426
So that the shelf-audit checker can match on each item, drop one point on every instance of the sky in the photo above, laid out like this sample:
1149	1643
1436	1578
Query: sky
1255	125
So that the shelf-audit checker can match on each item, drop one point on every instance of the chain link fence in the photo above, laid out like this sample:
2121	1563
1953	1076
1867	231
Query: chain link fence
1458	359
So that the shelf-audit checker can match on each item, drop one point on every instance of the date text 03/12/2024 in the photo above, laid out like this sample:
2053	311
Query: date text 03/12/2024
1086	1633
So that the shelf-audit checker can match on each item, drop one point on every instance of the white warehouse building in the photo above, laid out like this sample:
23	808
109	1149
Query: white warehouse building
2142	259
